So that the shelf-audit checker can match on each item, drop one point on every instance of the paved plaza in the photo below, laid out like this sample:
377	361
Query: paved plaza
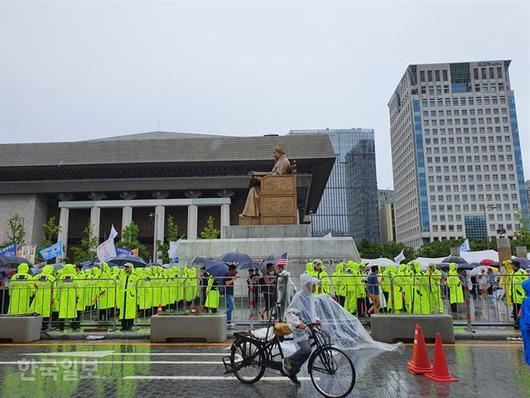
127	369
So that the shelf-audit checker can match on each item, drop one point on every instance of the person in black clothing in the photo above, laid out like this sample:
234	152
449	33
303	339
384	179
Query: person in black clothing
268	289
253	296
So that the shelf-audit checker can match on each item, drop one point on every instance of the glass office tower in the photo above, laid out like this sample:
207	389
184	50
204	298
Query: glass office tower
349	204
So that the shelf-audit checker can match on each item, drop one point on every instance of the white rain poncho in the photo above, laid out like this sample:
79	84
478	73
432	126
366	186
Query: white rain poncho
344	329
302	308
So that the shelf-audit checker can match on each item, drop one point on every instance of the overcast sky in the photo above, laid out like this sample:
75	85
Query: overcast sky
72	70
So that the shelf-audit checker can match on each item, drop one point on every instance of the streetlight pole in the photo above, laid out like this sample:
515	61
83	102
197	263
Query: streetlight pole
490	207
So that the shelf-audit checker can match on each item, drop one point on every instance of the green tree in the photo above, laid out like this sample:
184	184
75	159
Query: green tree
16	233
50	230
172	235
129	240
388	250
210	232
522	235
87	250
438	248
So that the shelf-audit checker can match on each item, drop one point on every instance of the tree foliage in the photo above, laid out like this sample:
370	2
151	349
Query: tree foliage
210	232
129	240
50	231
172	235
16	233
388	250
522	235
86	251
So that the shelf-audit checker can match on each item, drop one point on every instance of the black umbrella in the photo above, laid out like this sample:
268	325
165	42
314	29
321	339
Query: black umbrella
122	259
454	259
14	260
242	260
273	258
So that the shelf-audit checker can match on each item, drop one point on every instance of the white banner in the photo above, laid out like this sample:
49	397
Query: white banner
28	252
106	250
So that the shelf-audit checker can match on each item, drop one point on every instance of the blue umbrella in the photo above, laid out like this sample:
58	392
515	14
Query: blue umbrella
216	268
242	260
122	259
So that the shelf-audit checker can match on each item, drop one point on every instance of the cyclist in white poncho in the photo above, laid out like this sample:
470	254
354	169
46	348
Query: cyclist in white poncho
301	311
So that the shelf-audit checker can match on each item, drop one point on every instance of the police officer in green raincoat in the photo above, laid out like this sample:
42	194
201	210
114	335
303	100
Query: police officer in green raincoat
128	281
20	291
456	293
338	284
68	293
44	292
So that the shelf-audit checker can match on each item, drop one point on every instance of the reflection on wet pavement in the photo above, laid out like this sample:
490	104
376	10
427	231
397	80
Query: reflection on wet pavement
125	369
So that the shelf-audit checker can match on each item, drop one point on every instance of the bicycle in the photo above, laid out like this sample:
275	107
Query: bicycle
331	370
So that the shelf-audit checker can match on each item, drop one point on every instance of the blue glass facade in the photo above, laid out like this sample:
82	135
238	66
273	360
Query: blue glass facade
349	204
420	166
517	153
475	226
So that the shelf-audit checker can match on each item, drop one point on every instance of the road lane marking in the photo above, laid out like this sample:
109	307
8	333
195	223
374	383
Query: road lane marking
102	354
212	378
54	362
91	354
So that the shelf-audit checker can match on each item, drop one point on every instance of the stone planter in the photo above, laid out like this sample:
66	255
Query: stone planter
20	329
389	328
211	328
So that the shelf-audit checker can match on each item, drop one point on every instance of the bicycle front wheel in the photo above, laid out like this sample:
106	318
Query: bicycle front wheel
332	372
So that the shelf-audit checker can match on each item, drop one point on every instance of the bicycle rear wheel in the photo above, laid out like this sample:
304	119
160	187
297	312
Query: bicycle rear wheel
332	372
247	361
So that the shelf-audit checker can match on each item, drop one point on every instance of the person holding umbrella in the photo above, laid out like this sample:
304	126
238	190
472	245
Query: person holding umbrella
230	281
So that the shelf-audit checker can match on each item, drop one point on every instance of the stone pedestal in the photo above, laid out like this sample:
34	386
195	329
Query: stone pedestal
521	252
504	249
266	231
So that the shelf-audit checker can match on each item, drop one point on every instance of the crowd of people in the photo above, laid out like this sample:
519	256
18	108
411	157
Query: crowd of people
408	288
125	293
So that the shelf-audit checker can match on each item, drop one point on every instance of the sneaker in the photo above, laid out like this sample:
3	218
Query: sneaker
287	369
231	325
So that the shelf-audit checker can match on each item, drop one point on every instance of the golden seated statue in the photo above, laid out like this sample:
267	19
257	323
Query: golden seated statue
272	196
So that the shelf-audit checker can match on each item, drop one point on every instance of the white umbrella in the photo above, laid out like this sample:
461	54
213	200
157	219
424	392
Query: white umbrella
380	262
478	270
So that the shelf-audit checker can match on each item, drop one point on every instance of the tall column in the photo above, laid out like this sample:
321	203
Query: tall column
95	217
225	218
192	221
63	232
126	217
160	213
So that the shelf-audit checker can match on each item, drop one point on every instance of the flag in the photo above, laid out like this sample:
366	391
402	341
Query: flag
106	250
399	258
120	251
28	252
52	251
282	260
465	246
10	250
113	233
172	252
328	235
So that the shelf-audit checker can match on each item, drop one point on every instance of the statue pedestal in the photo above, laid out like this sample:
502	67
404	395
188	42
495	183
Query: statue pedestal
266	231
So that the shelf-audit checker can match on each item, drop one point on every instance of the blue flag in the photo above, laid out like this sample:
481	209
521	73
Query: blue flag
465	246
10	250
52	251
123	252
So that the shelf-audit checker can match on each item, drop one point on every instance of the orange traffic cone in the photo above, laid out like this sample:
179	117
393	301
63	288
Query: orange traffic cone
420	359
440	371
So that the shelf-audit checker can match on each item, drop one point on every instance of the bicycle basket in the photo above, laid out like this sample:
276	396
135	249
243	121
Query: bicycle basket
282	329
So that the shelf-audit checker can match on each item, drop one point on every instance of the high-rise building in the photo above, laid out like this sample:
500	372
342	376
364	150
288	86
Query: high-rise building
528	194
456	153
387	221
349	203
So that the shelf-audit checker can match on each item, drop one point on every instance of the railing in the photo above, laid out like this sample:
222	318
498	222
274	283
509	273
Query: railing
104	303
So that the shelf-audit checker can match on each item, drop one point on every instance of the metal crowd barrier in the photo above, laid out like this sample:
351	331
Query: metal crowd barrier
98	303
